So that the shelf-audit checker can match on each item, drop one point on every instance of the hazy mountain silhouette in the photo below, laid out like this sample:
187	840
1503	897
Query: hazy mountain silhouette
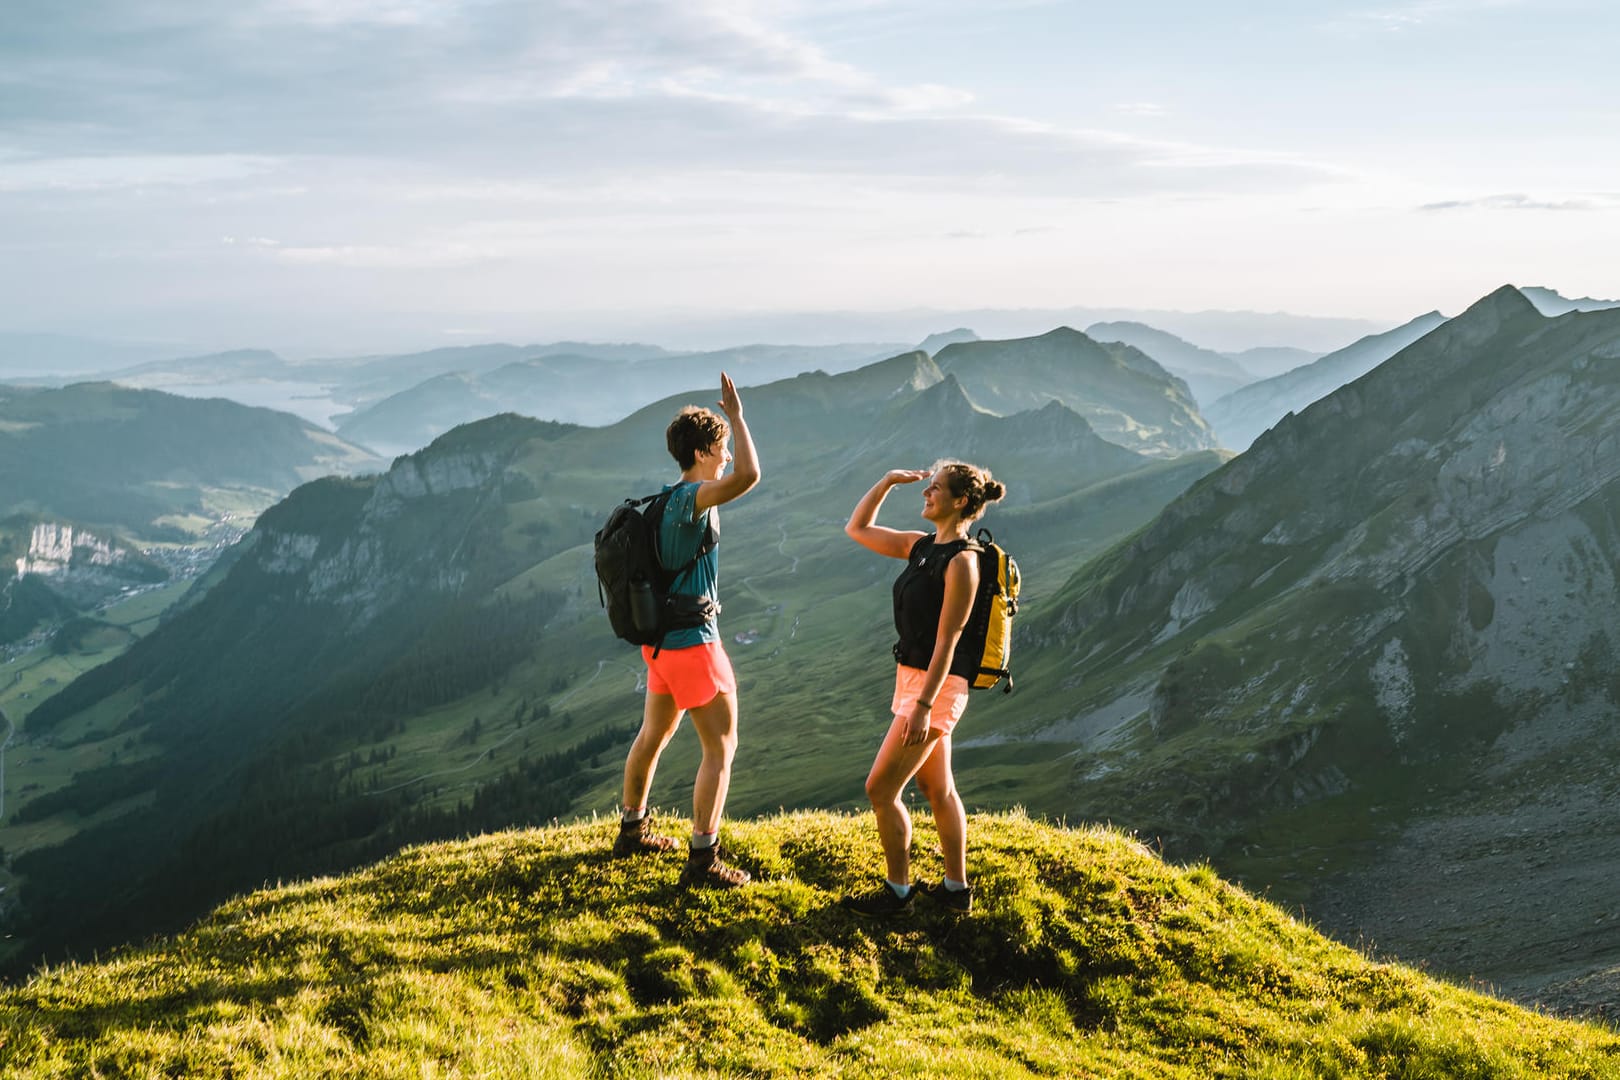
1240	417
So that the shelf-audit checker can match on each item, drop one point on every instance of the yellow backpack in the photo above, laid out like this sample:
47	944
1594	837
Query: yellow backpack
988	634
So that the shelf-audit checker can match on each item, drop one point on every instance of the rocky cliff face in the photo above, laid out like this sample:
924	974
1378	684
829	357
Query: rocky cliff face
54	549
362	546
1400	603
80	567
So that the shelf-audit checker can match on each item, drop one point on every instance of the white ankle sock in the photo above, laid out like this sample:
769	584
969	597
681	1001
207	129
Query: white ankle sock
702	840
954	886
902	891
633	815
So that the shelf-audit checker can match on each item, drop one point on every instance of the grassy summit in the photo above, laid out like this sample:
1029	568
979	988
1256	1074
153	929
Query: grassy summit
529	954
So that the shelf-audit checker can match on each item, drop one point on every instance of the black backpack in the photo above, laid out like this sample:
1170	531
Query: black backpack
632	582
984	651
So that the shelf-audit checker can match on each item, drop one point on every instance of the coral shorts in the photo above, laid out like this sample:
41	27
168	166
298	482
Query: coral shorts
948	703
693	676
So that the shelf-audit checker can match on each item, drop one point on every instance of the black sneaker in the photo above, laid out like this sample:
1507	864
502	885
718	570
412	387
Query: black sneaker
881	902
637	838
958	900
705	867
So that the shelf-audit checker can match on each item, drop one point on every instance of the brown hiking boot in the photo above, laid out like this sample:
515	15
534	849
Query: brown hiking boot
637	838
705	867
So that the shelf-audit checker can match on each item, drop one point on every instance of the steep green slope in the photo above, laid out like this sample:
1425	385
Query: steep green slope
1378	643
531	954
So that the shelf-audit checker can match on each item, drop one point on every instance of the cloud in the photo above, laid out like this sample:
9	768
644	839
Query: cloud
1525	202
1394	18
557	90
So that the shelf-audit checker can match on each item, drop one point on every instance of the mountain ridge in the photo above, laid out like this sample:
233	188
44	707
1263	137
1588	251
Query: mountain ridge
1240	417
1343	641
1127	397
1209	375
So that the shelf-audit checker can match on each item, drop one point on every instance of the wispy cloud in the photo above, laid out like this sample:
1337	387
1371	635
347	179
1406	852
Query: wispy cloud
1412	14
558	89
1525	202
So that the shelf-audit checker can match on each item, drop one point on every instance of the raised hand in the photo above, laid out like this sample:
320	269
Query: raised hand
730	403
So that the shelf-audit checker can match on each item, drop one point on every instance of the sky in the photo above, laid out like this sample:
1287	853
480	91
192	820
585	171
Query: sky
347	173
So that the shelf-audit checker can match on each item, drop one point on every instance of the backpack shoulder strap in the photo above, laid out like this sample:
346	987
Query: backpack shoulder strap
655	521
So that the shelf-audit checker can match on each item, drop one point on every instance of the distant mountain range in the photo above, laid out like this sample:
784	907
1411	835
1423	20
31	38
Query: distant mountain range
593	387
130	460
1224	331
1124	395
1239	417
1549	302
1265	361
1208	374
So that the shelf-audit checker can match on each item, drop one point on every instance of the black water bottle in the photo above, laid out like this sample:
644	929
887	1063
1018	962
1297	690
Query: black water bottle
643	607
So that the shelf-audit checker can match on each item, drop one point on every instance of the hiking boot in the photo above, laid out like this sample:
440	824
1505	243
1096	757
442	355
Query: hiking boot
637	838
881	902
705	867
959	901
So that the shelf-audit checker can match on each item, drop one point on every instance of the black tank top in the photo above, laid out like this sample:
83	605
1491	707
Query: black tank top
919	595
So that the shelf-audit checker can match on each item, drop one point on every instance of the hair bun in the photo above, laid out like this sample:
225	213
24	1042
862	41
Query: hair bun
994	490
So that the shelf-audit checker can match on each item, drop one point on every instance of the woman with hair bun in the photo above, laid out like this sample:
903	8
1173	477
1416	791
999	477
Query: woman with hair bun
933	597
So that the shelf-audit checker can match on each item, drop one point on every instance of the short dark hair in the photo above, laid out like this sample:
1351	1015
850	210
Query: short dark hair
695	429
973	483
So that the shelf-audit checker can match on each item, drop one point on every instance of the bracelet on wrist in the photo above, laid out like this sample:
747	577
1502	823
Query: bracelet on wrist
930	704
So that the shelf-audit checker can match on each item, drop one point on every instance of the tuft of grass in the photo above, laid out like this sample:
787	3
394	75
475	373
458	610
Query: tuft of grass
533	954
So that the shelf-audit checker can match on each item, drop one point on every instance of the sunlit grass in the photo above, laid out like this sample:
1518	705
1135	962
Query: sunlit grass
531	954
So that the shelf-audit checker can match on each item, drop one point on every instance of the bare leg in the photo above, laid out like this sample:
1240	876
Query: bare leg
659	718
716	725
938	786
896	764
